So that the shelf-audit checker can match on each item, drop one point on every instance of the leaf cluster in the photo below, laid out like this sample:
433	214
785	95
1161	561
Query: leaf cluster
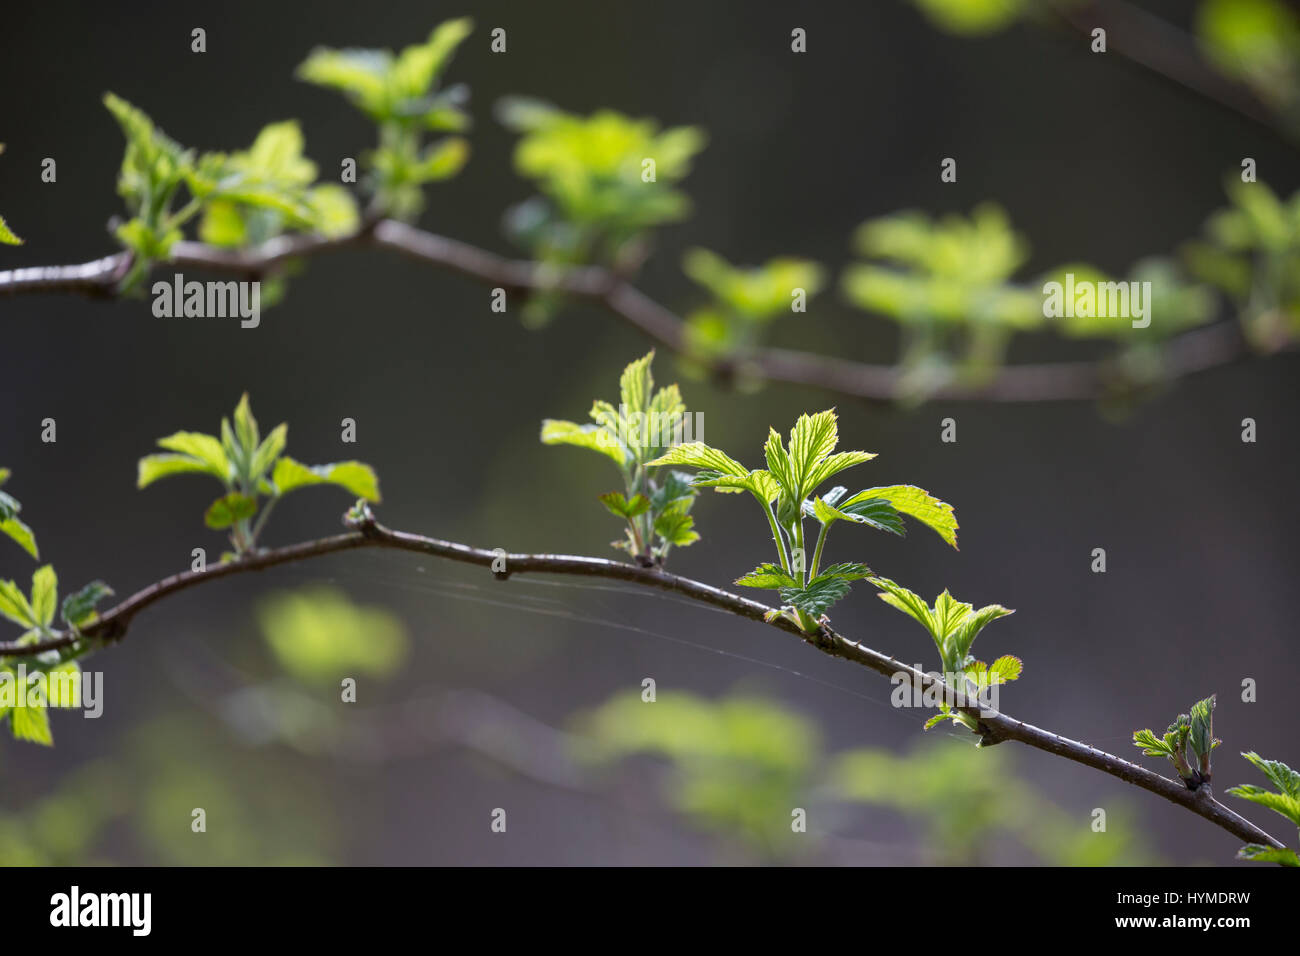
1285	800
655	503
953	626
249	468
596	200
400	93
1187	743
744	299
243	197
786	491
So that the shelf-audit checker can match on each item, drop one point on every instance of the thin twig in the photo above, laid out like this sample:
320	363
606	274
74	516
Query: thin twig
995	727
1160	47
1194	351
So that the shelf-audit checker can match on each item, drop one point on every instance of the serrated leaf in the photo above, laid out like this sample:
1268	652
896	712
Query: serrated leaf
63	685
758	482
206	448
1201	734
677	527
818	596
636	384
31	723
598	439
916	502
971	623
1152	745
268	451
696	454
836	463
874	512
812	439
355	476
1268	854
619	505
677	486
1007	668
848	571
45	595
1282	776
14	528
767	575
246	431
79	608
910	603
14	605
228	509
153	467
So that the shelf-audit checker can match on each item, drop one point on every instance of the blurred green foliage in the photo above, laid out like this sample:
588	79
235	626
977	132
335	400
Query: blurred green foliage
969	802
744	300
947	283
655	503
319	635
399	92
1256	42
249	467
739	765
605	179
271	177
1251	253
972	17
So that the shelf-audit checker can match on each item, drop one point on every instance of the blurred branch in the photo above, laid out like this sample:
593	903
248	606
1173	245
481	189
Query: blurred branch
1156	45
1200	349
366	532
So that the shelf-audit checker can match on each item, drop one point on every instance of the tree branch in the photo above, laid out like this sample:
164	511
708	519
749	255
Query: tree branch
1156	45
367	533
1200	349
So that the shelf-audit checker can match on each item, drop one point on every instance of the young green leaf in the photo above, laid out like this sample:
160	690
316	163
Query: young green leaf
15	606
228	509
79	608
595	437
7	235
354	476
153	467
1267	854
621	507
31	722
1286	801
847	571
952	624
915	502
268	451
19	532
818	596
769	576
674	525
10	524
204	448
699	455
45	595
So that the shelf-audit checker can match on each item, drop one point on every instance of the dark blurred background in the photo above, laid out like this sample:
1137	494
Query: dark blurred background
1094	159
